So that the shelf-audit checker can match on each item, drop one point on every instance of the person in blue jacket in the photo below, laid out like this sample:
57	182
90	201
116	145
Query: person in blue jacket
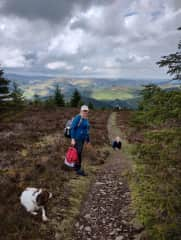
80	134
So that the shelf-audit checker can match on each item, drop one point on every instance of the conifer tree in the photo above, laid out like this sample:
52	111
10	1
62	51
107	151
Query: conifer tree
58	97
4	91
91	105
37	100
17	96
173	62
75	99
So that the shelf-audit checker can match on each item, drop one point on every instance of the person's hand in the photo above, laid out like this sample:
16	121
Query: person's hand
73	142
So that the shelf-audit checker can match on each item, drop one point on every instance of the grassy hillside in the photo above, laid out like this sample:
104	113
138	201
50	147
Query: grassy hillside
121	93
32	149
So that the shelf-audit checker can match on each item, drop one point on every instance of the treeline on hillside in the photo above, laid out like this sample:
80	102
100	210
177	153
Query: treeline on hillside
157	174
12	97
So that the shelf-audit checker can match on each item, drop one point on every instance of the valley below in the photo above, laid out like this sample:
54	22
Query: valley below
102	92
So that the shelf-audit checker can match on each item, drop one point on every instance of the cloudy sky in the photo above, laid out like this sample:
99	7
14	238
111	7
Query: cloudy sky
98	38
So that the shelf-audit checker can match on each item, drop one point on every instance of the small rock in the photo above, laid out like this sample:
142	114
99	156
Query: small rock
102	192
118	229
103	209
103	221
119	238
87	216
124	222
88	229
127	194
110	224
61	210
99	183
81	227
77	224
112	233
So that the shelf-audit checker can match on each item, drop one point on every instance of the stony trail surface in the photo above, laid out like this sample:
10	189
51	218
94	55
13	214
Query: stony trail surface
106	213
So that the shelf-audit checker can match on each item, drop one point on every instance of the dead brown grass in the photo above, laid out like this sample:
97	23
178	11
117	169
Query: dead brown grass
32	149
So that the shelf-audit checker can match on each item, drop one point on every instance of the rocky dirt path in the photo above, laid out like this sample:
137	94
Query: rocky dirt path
105	214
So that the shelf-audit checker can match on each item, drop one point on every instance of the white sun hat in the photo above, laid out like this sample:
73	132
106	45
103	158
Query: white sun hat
84	108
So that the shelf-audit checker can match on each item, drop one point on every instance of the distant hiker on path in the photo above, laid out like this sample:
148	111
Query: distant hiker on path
117	144
80	134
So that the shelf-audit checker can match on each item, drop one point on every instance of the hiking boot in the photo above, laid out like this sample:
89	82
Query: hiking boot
81	172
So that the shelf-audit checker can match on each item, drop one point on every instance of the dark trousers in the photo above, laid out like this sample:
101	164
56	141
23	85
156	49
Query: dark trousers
117	145
79	146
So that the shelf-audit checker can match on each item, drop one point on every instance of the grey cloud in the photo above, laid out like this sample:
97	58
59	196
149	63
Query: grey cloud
54	11
106	29
109	24
103	44
31	56
177	4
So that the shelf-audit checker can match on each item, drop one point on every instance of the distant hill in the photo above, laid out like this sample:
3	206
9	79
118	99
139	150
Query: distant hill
117	103
101	92
25	79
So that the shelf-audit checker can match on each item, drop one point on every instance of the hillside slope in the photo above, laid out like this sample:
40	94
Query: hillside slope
32	149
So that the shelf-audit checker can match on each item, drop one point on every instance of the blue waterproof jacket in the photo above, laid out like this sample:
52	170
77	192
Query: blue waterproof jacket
80	128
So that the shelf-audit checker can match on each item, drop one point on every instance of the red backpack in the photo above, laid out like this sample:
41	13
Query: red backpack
71	157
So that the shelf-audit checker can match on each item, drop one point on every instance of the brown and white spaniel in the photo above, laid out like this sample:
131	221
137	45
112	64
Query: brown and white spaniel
34	199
